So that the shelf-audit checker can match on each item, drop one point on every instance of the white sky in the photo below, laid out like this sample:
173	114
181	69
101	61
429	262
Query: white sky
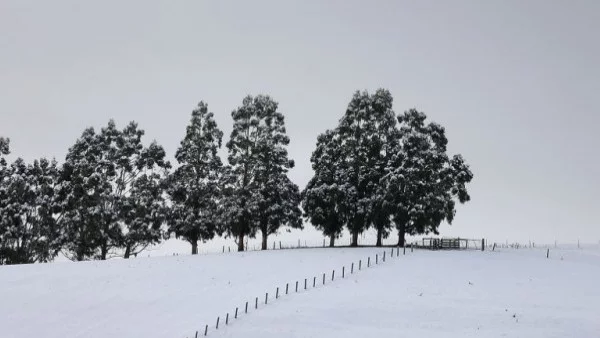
515	83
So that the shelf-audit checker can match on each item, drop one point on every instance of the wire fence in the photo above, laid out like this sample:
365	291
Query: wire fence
303	285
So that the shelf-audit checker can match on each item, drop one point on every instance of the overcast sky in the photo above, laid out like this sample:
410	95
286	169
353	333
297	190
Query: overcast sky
515	83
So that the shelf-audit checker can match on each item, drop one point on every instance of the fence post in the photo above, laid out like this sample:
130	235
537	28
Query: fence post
411	247
223	248
217	323
352	268
343	271
256	303
323	279
392	252
483	244
279	245
314	282
494	247
196	334
376	259
236	311
323	242
404	250
229	248
266	297
296	286
287	285
273	245
548	253
305	280
277	293
384	256
368	262
397	252
359	264
227	319
206	330
246	307
332	275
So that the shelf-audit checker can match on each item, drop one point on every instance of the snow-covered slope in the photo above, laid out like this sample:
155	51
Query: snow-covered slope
512	293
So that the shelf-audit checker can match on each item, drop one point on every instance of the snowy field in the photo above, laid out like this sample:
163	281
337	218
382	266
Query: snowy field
507	293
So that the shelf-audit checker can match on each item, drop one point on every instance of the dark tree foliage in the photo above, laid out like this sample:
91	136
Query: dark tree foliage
422	181
110	194
324	196
367	133
259	195
28	231
279	197
194	188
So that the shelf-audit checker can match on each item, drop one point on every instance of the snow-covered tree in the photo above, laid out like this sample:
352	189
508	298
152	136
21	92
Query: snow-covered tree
383	144
102	181
257	161
422	181
279	197
28	230
194	187
323	198
365	132
82	191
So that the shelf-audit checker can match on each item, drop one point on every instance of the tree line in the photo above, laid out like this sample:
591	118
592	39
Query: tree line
115	196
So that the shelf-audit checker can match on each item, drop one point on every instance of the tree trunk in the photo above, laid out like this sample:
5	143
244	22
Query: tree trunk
241	242
379	237
401	230
265	236
332	241
354	239
194	243
127	251
104	250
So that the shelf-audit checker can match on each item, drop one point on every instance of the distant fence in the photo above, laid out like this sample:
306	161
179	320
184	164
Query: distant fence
451	244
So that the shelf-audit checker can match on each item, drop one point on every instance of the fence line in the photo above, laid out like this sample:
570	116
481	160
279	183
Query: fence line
393	252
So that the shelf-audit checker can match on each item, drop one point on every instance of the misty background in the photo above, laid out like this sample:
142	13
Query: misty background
515	84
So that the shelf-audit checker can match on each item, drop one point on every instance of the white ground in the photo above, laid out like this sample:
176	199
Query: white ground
507	293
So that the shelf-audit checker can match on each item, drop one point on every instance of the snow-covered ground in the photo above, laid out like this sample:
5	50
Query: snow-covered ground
506	293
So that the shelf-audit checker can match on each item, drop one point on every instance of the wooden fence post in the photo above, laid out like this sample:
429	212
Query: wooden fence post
384	256
368	262
494	247
323	279
352	268
277	293
206	330
296	286
266	297
404	250
217	323
227	319
305	282
246	307
343	271
236	311
359	264
287	285
332	275
256	303
548	253
196	334
314	282
482	244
